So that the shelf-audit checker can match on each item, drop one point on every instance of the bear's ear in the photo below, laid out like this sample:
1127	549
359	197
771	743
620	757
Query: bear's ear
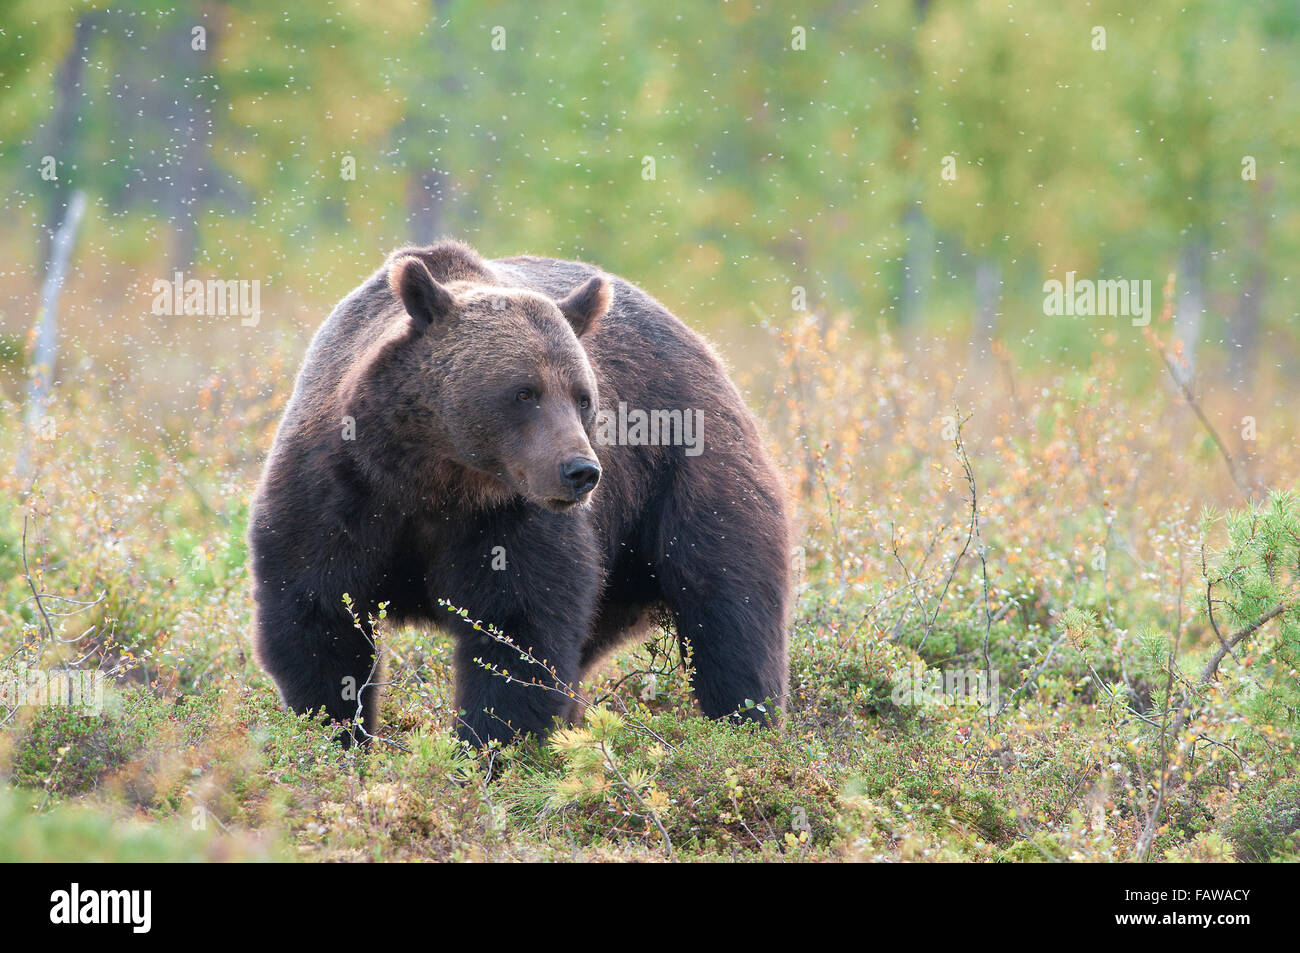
426	301
586	304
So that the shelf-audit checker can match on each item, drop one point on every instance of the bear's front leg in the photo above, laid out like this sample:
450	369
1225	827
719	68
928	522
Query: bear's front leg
537	579
319	661
503	690
725	570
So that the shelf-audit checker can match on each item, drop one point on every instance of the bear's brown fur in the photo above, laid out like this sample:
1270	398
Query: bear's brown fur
441	444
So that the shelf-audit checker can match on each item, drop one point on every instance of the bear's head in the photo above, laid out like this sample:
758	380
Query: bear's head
487	382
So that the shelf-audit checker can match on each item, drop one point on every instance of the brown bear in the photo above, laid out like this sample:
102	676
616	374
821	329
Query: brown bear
540	444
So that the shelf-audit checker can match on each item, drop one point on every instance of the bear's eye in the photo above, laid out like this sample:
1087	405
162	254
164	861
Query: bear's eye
584	402
525	394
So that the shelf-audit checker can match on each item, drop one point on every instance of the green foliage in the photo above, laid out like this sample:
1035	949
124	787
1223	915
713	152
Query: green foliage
1268	828
69	751
78	834
770	162
1258	571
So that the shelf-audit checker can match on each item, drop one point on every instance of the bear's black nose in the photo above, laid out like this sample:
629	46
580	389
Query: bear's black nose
580	475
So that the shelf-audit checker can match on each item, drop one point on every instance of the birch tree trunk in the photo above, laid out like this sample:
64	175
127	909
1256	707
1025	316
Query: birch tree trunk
988	292
1190	313
45	348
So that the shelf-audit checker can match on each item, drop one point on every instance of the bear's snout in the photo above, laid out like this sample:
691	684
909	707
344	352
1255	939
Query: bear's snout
580	475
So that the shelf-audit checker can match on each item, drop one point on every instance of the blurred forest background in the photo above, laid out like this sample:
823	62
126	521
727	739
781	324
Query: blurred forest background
861	204
924	166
